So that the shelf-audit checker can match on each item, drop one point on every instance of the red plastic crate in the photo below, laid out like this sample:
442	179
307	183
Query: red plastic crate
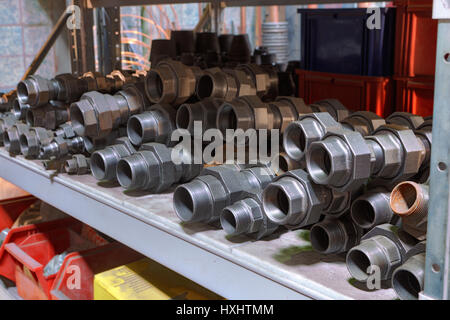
415	95
355	92
27	250
416	37
10	209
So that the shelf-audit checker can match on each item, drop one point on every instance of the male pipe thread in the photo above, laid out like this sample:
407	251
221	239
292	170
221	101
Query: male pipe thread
409	200
247	216
153	168
155	125
104	162
333	236
408	279
372	208
204	198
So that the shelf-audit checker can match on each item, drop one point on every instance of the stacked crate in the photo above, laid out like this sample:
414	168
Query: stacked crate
415	56
345	59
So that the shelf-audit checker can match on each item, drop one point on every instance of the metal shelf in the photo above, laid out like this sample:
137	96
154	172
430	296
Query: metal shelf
283	267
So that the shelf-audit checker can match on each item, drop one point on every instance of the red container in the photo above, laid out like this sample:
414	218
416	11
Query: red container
416	37
415	95
10	209
355	92
27	250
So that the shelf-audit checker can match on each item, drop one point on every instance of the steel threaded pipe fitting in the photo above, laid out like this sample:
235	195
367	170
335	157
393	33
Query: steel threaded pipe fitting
409	200
264	78
204	111
372	208
384	247
155	125
405	119
292	199
344	160
97	114
19	109
309	128
170	82
247	216
204	198
333	236
48	116
154	168
32	140
11	138
6	122
104	162
408	279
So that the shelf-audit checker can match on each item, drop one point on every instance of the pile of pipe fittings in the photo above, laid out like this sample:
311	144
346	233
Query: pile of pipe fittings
39	124
207	50
357	181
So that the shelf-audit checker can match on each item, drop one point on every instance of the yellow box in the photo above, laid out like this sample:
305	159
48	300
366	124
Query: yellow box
147	280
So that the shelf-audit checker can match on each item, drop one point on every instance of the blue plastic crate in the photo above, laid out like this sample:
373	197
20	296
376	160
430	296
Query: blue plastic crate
339	41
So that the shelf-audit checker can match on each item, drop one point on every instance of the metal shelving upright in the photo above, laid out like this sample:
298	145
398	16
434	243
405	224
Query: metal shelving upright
240	268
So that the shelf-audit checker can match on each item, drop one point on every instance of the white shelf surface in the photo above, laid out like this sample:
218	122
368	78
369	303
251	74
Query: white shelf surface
282	267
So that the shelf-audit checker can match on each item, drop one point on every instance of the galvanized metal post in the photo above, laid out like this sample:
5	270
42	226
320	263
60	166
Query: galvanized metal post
109	39
81	38
437	277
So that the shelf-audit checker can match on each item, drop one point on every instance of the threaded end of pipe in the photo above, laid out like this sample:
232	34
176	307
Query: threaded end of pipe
192	201
22	91
132	172
104	164
408	279
370	210
409	198
226	118
327	237
235	219
143	128
358	263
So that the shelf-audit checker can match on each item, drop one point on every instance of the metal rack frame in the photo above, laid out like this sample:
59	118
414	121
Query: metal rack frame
437	272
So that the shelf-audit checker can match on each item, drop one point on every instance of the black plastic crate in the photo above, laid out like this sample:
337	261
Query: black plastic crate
339	41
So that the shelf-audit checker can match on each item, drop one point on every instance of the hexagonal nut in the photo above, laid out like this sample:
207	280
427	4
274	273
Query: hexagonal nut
169	172
29	144
261	223
42	88
161	77
406	119
103	104
63	146
336	108
427	125
78	164
234	115
298	105
231	180
263	174
309	128
411	154
349	159
66	130
365	122
43	135
262	113
126	143
12	137
259	76
339	203
219	196
185	78
6	123
84	118
72	89
313	199
135	99
244	83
